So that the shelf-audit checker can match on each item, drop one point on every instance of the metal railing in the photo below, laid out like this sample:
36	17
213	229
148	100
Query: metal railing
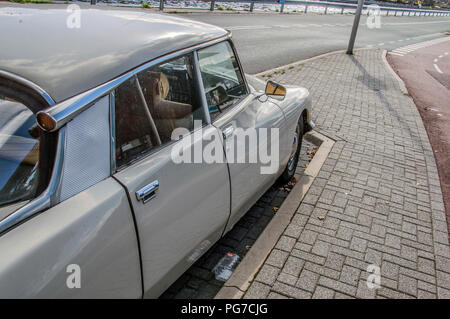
397	11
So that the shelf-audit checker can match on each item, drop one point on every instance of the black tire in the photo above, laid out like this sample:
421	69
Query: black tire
291	166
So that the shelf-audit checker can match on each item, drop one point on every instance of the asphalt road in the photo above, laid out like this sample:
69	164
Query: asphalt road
268	40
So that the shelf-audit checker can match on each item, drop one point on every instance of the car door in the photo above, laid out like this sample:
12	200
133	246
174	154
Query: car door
180	208
250	123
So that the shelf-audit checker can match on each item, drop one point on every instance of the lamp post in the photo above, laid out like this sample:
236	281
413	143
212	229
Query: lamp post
355	26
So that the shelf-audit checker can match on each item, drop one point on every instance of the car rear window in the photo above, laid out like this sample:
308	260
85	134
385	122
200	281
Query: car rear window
19	152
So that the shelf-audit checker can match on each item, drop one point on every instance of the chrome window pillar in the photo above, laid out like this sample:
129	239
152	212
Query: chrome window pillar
201	88
112	128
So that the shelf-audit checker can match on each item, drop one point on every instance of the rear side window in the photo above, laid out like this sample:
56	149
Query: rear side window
151	104
19	152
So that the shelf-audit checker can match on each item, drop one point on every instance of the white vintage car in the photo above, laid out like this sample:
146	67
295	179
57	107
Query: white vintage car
88	184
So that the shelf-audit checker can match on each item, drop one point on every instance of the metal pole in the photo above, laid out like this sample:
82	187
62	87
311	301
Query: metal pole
161	5
326	8
252	4
306	9
212	5
351	43
282	8
93	2
342	10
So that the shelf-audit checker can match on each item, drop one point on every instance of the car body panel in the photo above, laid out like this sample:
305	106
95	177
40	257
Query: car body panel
94	229
247	182
186	216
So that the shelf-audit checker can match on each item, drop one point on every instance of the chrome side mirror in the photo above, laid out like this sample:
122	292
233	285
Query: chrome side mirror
275	89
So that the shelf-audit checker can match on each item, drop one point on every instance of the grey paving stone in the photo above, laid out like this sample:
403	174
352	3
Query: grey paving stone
337	285
290	291
268	274
335	261
293	266
321	248
358	244
408	285
307	280
364	292
277	258
274	295
393	241
350	275
323	293
257	290
285	243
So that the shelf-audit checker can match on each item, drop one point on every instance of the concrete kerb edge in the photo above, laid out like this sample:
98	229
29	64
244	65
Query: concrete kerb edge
307	60
240	280
402	85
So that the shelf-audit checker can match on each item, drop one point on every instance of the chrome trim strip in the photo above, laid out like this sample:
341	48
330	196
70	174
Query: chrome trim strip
29	84
48	198
202	89
68	109
112	128
240	66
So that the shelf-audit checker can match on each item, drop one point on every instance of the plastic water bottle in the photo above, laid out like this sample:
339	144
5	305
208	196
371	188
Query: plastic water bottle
225	266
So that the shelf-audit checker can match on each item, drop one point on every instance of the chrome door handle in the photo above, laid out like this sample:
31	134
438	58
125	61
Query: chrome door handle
148	192
228	131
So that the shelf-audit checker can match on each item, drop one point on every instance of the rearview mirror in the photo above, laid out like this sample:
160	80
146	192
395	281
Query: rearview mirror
217	96
276	89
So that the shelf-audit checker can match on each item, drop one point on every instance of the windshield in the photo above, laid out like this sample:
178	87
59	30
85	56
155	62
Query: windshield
19	152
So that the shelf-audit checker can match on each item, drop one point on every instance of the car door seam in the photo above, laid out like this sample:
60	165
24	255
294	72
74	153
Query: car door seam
137	233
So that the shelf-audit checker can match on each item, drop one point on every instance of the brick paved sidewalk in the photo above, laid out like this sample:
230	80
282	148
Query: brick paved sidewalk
378	190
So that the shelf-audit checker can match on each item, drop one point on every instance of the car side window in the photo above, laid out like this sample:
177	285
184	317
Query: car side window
19	152
222	78
151	104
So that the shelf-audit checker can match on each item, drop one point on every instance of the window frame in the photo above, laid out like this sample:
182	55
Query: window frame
236	101
34	102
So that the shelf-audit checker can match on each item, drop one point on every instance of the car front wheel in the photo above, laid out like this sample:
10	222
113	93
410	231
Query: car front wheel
291	166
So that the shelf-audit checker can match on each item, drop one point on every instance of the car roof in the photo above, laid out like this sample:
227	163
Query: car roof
38	45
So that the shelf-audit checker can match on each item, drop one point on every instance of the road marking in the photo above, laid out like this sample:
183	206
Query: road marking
394	53
435	60
413	47
446	53
380	44
437	69
408	23
441	56
401	40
